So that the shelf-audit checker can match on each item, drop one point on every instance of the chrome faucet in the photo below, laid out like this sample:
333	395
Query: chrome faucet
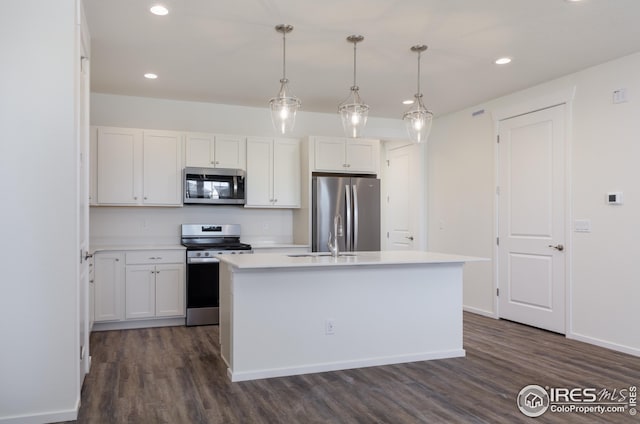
337	232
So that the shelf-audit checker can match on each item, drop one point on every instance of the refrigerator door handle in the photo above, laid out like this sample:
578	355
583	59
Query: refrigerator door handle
355	218
347	238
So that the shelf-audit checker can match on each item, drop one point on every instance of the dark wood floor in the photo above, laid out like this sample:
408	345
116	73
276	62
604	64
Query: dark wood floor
175	375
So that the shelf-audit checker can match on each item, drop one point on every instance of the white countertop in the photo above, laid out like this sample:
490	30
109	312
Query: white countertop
297	260
271	245
122	247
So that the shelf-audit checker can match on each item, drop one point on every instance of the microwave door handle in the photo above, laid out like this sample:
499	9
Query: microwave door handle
235	187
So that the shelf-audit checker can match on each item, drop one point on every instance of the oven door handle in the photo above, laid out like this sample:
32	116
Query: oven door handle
202	260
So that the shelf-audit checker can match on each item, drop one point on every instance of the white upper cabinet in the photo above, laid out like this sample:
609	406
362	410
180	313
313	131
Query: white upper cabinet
119	166
273	172
333	154
162	170
138	167
215	151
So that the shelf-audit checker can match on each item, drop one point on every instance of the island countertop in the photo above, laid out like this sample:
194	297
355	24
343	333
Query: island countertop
324	259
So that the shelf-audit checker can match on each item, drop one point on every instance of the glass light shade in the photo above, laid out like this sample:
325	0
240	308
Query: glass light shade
354	114
283	109
418	121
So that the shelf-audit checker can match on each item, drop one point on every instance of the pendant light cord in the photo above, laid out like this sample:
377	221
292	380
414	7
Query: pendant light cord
419	53
354	65
284	55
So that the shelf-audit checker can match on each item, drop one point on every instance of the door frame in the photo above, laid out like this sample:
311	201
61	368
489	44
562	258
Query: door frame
420	190
524	107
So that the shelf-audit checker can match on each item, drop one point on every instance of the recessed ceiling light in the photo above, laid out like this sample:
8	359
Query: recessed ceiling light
158	9
150	75
503	61
407	102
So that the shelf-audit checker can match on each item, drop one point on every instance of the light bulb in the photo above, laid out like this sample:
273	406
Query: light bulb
355	118
417	124
284	113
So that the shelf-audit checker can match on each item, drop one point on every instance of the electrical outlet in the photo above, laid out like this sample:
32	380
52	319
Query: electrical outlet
329	327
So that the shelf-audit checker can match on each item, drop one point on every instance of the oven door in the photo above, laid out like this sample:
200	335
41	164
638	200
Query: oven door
203	291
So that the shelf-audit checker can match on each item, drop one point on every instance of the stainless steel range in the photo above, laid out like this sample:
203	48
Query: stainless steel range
203	243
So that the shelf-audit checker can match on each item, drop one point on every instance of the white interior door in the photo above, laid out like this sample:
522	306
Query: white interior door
402	210
531	219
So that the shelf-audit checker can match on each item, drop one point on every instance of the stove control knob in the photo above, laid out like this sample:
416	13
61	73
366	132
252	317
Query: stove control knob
198	254
206	253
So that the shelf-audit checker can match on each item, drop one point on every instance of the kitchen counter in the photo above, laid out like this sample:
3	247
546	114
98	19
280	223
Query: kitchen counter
304	260
287	314
123	247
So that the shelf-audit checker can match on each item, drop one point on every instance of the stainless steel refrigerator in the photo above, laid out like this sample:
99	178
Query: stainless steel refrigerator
357	201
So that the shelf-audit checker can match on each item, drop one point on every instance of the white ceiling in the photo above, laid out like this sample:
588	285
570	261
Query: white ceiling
228	51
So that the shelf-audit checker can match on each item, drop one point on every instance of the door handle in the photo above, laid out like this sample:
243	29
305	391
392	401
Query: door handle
558	247
409	238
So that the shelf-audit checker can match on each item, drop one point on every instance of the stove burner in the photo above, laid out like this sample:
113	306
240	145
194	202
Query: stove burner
213	239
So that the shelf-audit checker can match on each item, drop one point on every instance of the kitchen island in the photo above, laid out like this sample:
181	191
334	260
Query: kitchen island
287	314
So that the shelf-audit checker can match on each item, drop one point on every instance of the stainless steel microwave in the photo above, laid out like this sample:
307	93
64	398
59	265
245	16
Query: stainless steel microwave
215	186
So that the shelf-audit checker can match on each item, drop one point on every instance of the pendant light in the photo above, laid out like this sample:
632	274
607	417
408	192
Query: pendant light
418	118
285	106
353	111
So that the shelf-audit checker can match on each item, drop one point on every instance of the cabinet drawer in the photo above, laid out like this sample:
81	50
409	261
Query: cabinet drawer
155	257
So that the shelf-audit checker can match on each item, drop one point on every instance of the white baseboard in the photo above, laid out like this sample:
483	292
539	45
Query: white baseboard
143	323
603	343
478	311
342	365
49	417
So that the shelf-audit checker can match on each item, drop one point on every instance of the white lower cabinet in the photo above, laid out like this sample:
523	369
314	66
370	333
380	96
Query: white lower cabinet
109	286
140	292
141	284
154	291
155	284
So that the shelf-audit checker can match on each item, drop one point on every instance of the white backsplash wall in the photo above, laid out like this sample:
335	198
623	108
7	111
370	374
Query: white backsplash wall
154	225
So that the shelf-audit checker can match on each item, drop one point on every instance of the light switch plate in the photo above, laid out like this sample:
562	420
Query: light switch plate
582	225
614	198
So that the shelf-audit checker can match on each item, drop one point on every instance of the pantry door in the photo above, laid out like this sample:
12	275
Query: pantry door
402	198
531	219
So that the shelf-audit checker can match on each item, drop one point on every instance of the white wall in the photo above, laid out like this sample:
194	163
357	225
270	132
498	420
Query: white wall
140	225
143	112
605	152
39	328
161	225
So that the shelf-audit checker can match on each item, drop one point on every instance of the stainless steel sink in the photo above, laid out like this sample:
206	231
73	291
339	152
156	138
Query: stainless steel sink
317	255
